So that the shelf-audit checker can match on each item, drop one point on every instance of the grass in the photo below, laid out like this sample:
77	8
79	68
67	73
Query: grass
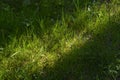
78	45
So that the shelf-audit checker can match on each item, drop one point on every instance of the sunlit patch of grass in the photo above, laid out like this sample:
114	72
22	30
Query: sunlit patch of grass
28	55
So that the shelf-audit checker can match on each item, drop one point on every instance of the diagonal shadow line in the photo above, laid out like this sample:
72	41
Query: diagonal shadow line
91	61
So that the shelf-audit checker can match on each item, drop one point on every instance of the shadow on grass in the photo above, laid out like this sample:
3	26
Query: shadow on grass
92	61
14	24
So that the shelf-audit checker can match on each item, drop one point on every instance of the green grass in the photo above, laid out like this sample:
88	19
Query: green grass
80	45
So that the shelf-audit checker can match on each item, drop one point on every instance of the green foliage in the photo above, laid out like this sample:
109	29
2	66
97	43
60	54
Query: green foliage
59	40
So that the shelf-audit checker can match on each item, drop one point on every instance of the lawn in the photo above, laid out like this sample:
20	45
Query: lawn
59	40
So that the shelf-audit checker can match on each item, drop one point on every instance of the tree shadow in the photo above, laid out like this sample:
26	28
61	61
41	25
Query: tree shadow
92	61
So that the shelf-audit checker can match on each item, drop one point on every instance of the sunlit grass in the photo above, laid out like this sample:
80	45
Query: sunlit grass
37	46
